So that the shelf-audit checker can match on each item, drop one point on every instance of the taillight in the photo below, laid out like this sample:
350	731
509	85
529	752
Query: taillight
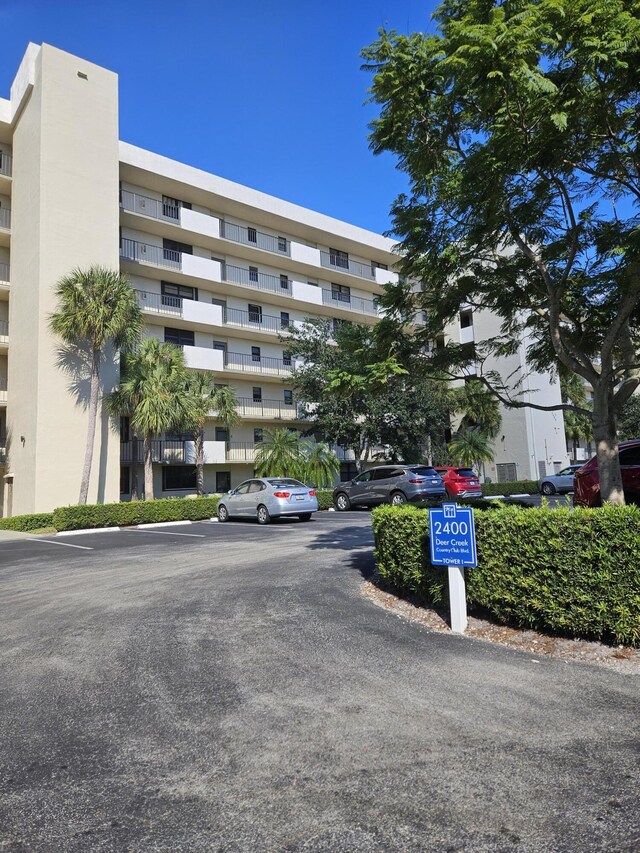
415	481
312	493
281	494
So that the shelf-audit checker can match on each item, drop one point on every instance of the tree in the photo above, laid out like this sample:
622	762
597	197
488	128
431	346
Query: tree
97	308
319	465
577	426
479	408
202	397
471	447
516	123
151	395
629	423
278	454
361	394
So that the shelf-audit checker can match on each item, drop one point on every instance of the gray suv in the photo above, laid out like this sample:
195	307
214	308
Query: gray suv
392	484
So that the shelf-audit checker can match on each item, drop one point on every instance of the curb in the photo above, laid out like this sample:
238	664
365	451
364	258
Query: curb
88	530
129	527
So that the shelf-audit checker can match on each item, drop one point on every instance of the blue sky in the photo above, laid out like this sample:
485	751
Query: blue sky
269	94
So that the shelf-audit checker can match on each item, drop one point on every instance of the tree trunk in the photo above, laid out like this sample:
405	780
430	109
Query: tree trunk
91	425
135	482
148	469
198	442
604	434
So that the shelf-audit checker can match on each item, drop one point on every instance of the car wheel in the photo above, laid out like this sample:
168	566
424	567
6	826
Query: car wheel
547	489
223	513
305	516
263	515
398	498
342	502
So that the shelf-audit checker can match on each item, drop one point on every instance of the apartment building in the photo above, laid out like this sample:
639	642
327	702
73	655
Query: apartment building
219	269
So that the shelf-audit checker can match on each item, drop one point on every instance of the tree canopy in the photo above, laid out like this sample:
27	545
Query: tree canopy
517	124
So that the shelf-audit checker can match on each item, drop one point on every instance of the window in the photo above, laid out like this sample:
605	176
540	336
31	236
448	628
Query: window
172	249
221	347
178	478
365	477
125	479
282	244
253	274
243	488
222	434
223	481
257	394
255	313
348	470
284	320
179	337
630	456
124	429
255	353
256	486
286	358
257	435
385	473
341	293
284	282
252	235
288	397
466	319
375	265
173	293
339	259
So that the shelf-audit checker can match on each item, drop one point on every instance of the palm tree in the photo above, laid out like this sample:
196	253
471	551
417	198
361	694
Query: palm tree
202	397
319	465
151	394
471	446
96	308
278	454
479	407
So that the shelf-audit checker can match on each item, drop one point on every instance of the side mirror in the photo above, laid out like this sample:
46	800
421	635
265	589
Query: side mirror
231	492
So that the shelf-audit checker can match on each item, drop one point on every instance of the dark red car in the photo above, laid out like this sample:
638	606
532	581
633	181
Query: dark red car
460	482
586	483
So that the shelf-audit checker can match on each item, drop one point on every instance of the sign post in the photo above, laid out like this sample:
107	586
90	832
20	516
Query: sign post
452	541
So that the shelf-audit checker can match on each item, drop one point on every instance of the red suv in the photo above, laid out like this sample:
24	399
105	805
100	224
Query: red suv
586	483
460	482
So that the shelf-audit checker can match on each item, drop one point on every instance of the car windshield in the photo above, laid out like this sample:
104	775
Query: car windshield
424	472
285	482
465	472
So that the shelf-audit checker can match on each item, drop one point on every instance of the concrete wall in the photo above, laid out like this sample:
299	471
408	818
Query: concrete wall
65	215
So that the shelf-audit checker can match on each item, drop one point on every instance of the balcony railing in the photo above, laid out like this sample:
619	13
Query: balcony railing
147	206
241	451
350	303
336	262
273	409
159	303
257	364
4	329
255	320
4	273
257	280
5	163
162	450
252	237
5	217
133	250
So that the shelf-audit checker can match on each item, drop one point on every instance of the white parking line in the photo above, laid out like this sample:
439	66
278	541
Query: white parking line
164	533
64	544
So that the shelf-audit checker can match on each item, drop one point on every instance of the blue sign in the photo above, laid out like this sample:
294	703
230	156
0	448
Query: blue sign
452	536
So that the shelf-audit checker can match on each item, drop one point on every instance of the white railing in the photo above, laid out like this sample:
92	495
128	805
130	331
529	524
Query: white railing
337	262
350	303
133	250
256	280
4	329
5	217
5	164
4	273
249	236
147	206
257	364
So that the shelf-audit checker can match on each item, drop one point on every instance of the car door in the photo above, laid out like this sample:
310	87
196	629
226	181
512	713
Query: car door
563	480
384	480
237	501
359	492
630	470
255	496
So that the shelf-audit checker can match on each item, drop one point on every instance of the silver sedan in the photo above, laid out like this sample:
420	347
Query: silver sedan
559	483
267	498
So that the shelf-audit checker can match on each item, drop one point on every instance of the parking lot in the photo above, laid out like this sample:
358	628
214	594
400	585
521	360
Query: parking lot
226	687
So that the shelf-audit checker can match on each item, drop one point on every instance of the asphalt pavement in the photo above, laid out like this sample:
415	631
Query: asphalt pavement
215	687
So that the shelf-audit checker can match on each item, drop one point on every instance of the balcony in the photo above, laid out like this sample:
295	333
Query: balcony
5	218
4	275
203	358
240	451
4	332
257	364
336	262
191	310
252	237
3	391
3	449
145	253
349	303
274	410
170	452
5	164
466	335
257	280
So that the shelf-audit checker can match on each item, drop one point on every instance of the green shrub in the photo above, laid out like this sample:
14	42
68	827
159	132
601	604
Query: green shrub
134	512
25	523
325	498
566	572
517	487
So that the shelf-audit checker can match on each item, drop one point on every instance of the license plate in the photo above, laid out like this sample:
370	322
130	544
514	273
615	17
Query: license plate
300	497
435	482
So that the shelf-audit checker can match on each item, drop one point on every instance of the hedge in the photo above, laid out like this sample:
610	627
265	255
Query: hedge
25	523
517	487
134	512
573	573
325	498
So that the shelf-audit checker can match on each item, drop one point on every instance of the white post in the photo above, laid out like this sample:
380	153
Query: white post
457	599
